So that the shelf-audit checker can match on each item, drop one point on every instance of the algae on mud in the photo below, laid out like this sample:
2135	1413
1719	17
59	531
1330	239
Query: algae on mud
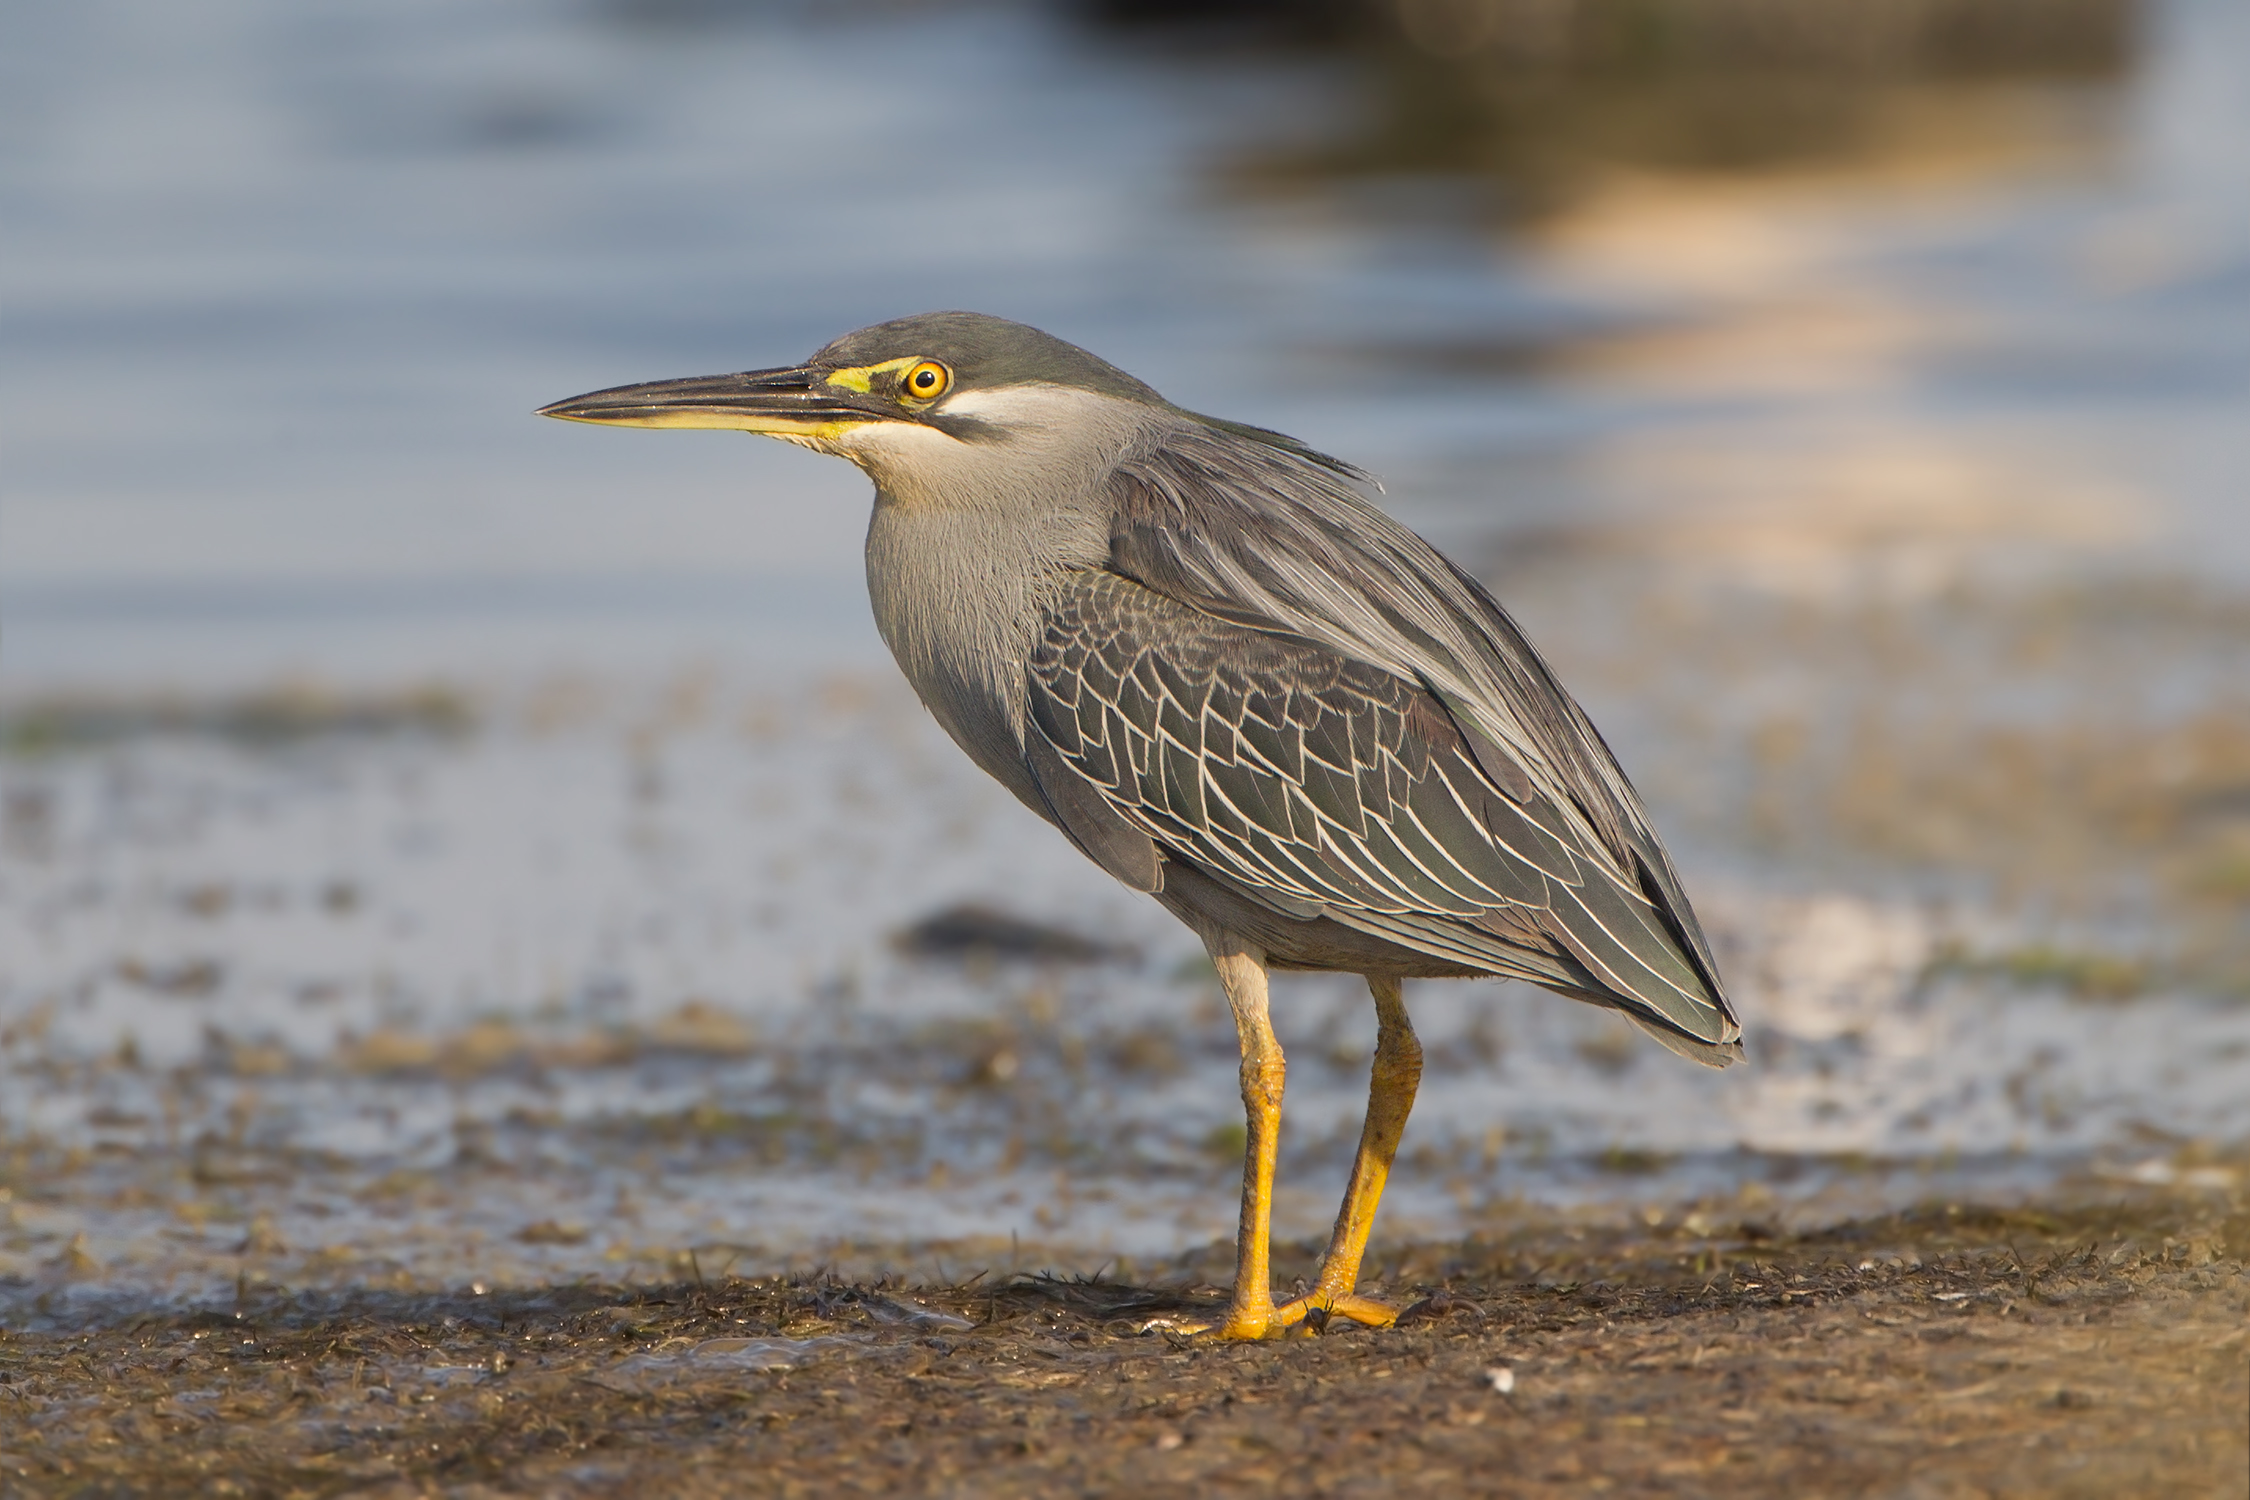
2084	1348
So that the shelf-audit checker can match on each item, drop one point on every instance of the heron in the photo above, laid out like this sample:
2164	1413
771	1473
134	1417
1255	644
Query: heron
1201	652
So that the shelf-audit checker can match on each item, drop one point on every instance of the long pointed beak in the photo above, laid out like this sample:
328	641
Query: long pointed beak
792	403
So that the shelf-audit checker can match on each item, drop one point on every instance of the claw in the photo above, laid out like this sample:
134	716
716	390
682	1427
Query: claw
1176	1327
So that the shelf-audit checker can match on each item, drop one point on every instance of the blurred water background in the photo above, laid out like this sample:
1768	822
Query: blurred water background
453	844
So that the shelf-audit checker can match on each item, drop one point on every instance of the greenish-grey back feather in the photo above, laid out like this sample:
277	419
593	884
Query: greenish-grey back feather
1316	784
1272	537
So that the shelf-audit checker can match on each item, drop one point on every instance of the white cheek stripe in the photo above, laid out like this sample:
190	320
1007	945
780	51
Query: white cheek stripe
1035	402
1034	416
894	437
1008	406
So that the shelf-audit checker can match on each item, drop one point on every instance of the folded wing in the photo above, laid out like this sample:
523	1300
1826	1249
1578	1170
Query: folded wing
1320	785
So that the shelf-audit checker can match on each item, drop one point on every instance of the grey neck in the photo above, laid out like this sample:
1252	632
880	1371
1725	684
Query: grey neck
968	544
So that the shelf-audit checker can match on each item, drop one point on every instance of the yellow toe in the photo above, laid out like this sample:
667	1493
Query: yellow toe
1362	1310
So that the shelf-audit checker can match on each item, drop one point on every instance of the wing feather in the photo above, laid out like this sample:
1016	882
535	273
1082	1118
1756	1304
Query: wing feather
1322	785
1259	531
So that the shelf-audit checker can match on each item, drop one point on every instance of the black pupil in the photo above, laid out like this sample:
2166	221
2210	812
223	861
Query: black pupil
924	379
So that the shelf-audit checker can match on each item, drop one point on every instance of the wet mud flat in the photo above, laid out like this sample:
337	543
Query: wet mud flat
570	1094
2092	1347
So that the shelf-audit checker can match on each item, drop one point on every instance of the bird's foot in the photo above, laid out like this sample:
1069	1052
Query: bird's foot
1307	1314
1318	1307
1232	1328
1239	1323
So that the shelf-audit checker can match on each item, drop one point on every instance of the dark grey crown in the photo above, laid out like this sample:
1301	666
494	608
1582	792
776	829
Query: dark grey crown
985	352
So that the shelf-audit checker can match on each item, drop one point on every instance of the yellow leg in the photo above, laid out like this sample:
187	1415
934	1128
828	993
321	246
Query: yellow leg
1242	973
1390	1098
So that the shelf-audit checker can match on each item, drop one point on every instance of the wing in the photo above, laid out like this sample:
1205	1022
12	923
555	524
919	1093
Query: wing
1317	785
1257	529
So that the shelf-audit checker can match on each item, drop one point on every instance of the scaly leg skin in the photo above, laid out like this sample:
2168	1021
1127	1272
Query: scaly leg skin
1391	1083
1242	974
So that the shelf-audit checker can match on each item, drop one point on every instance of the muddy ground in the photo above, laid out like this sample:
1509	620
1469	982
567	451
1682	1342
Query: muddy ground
2097	1348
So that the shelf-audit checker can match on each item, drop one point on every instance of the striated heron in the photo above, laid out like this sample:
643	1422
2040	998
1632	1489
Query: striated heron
1235	684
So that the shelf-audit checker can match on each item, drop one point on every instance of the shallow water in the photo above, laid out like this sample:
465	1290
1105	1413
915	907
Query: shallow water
615	982
1882	500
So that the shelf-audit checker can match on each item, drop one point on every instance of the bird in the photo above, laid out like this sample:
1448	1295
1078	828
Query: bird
1217	667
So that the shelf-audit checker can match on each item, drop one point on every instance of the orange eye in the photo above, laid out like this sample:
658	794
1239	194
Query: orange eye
927	381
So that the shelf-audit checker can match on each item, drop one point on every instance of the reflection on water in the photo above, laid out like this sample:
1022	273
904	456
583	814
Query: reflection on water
1849	398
